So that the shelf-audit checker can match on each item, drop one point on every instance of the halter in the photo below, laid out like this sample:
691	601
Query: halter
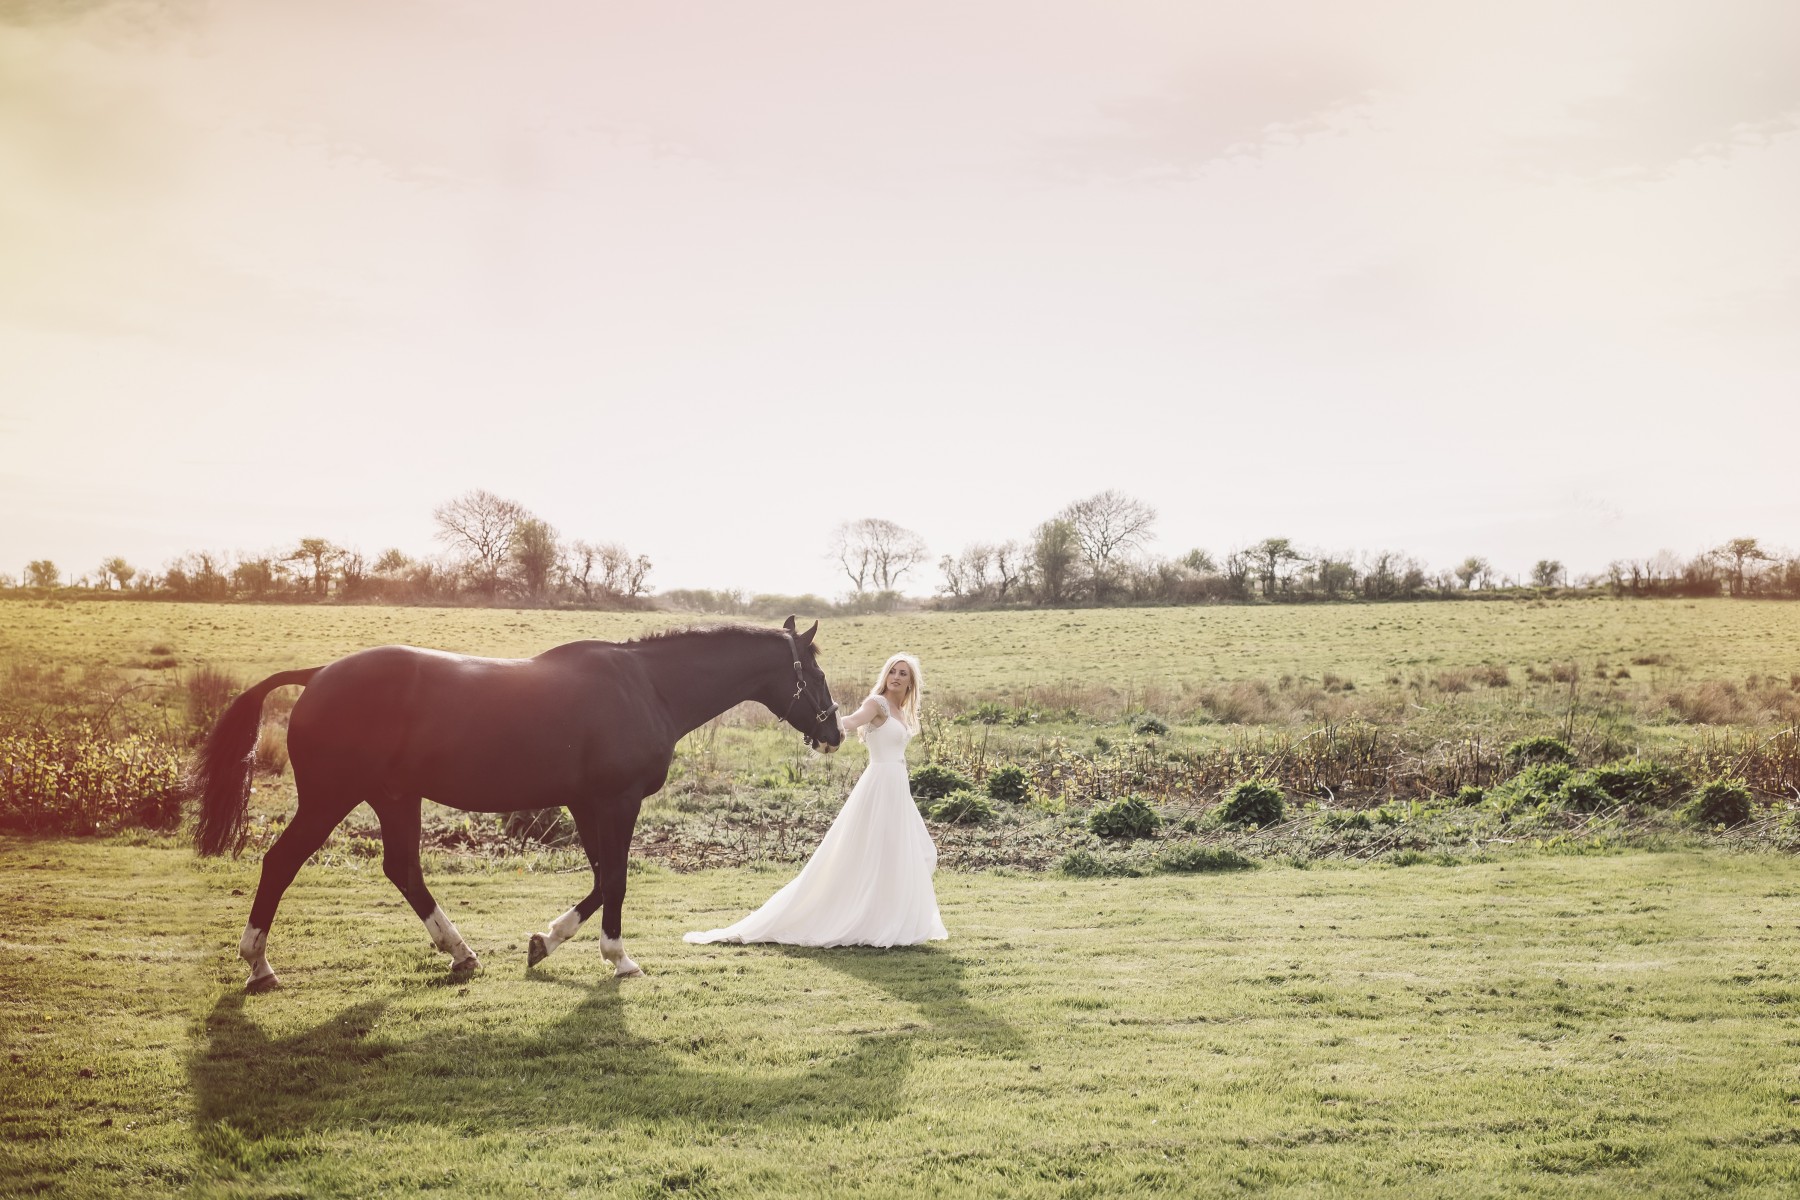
823	714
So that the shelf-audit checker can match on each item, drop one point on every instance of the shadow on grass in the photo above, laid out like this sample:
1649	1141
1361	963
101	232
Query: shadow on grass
932	980
587	1068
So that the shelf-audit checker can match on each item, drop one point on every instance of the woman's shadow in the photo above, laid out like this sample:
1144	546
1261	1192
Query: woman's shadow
595	1066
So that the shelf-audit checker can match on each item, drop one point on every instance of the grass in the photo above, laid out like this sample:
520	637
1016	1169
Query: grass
1140	654
1534	1027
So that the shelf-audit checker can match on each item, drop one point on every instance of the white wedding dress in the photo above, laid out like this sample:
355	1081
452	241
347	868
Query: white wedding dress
869	882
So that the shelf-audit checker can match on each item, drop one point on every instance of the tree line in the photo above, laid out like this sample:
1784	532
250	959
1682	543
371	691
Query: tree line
494	551
1094	551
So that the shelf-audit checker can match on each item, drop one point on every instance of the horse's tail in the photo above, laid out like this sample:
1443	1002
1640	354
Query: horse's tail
221	774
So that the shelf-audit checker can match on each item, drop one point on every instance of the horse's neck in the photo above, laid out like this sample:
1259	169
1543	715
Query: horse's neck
702	675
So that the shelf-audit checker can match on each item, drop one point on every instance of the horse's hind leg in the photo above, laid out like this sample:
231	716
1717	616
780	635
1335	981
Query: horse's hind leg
400	863
304	835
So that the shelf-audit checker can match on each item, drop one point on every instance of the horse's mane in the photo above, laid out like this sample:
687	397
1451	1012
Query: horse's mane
683	632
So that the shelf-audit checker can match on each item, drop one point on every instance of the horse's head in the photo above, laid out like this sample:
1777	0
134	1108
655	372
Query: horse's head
809	707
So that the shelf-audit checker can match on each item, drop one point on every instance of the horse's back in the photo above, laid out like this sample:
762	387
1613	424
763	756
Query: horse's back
464	730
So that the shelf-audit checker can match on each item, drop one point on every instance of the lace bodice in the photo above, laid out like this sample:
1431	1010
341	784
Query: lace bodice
887	741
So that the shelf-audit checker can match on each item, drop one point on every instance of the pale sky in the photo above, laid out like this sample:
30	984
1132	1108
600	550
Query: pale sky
1519	280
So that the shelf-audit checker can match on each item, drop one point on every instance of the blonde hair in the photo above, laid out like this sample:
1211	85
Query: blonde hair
909	711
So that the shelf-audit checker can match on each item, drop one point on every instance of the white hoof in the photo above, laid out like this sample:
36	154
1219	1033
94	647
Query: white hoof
625	967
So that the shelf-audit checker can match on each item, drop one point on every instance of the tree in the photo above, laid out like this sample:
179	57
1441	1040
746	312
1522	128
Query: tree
118	572
1336	575
1270	555
1054	550
535	553
1471	570
1548	571
321	556
393	563
41	573
1107	525
623	573
1199	562
479	526
1737	552
254	577
876	552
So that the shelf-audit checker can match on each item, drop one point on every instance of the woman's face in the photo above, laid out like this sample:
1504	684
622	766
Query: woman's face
899	678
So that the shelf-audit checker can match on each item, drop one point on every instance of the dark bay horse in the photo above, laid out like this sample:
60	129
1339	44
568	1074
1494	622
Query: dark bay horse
590	726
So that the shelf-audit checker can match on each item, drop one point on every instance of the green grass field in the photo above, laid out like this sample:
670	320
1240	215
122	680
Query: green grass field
1547	1027
988	653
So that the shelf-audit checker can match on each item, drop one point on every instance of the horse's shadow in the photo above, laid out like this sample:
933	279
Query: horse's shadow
589	1067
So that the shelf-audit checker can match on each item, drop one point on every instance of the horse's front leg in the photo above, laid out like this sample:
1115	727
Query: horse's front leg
607	841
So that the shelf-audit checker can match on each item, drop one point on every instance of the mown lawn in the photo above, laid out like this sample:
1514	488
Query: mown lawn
1544	1026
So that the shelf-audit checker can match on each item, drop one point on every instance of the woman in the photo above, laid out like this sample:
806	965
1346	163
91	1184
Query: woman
869	882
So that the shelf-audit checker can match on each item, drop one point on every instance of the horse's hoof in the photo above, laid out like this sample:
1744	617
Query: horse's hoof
625	969
262	983
537	952
465	968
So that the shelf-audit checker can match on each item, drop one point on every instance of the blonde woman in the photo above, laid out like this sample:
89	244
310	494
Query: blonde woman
869	882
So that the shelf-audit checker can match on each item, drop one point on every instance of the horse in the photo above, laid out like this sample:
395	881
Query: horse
589	726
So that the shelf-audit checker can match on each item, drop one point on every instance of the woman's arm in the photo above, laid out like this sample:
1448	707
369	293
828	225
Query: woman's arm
868	712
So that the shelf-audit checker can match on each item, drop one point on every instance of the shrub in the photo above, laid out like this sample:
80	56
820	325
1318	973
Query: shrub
1193	857
1257	802
963	807
1009	783
1720	802
1129	817
1150	726
271	749
934	782
1346	820
1637	781
207	692
1085	864
1583	794
1540	784
78	781
1542	749
988	712
1469	795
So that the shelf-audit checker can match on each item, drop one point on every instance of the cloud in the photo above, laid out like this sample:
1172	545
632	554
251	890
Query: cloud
1227	108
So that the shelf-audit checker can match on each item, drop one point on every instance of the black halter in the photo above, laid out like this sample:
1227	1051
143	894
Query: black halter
823	714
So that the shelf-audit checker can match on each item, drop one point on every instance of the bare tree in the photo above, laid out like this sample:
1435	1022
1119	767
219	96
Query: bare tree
41	573
1548	571
1012	567
480	525
623	573
876	552
1107	525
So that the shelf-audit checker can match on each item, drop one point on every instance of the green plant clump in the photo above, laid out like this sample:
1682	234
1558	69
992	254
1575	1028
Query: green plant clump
933	782
1469	795
82	781
1150	726
1542	749
963	807
1583	793
1720	802
1638	781
1540	784
1009	783
1258	802
1129	817
1192	857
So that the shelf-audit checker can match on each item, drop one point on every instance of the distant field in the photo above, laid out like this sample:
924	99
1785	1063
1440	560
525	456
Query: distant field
1004	653
1560	1027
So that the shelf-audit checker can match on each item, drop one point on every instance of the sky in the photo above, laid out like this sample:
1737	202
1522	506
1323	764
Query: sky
1515	280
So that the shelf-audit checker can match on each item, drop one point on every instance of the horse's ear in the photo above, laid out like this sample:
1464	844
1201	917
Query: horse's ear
788	624
807	637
